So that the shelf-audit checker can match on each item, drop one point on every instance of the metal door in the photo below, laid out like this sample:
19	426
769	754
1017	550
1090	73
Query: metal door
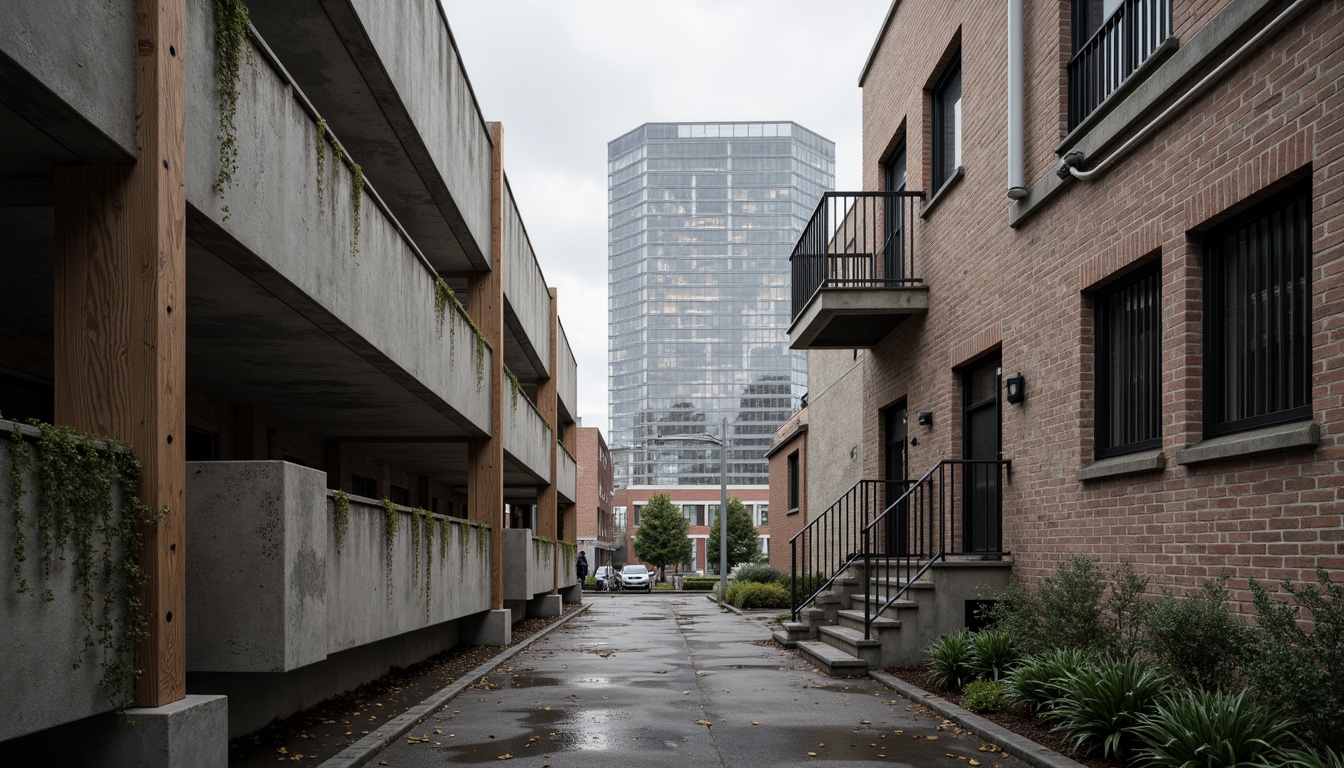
981	523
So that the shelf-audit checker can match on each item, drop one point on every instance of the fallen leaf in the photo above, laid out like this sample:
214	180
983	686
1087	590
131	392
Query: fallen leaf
864	722
973	762
505	756
811	754
755	722
705	723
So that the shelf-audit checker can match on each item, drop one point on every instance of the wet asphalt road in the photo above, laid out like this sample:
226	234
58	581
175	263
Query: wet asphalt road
643	681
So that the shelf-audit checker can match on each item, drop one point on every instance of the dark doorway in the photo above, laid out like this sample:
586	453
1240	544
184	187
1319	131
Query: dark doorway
981	522
893	251
896	473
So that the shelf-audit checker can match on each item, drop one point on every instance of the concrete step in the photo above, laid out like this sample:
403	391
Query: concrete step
793	631
831	660
904	604
854	620
896	583
783	640
852	642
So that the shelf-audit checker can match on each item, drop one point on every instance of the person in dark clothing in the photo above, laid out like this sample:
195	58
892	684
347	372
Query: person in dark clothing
581	565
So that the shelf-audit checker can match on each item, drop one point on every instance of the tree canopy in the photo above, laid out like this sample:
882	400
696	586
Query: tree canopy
743	539
661	538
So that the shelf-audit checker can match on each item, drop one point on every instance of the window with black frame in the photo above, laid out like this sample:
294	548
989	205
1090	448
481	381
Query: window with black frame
946	138
1129	364
1111	38
1258	316
793	480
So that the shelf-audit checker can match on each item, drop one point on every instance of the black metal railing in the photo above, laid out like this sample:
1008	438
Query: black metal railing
822	551
1102	60
956	508
856	239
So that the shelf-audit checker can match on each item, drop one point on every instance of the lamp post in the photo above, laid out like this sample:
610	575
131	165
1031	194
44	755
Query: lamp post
722	442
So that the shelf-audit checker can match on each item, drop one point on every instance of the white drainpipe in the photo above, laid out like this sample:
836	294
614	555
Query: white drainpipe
1017	188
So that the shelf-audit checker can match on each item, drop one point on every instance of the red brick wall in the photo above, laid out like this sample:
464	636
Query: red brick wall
785	522
1024	291
629	497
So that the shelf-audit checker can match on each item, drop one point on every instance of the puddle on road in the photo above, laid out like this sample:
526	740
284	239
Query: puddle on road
867	743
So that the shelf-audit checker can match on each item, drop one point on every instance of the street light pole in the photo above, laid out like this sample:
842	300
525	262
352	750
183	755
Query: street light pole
722	442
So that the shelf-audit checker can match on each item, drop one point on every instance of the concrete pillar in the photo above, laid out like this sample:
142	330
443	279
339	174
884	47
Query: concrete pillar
547	403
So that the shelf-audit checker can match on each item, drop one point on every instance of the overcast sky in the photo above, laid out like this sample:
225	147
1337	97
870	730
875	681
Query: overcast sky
567	76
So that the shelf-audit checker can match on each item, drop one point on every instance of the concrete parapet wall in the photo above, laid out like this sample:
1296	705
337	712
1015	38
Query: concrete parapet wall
567	374
566	476
379	301
527	299
528	565
47	677
526	437
284	593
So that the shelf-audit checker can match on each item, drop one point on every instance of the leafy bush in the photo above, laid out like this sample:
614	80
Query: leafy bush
589	582
750	595
993	653
950	660
1298	670
1101	703
1036	681
807	583
1198	640
699	583
1065	611
1211	729
985	697
759	573
1126	609
1305	758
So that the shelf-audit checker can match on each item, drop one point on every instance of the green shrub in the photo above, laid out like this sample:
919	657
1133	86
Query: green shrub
1197	639
1036	681
760	573
985	697
750	595
1126	609
589	582
950	660
1074	608
699	583
1302	671
993	653
1100	704
1305	758
1211	729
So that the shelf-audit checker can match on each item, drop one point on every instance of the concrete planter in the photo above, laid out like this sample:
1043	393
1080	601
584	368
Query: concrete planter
273	590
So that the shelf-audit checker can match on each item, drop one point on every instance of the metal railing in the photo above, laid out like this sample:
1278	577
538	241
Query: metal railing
956	508
856	239
1101	62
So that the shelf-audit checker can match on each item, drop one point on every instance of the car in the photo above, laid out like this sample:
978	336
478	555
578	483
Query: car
635	577
605	577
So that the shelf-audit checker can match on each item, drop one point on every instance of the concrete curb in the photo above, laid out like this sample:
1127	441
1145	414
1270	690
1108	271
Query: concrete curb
1018	746
366	748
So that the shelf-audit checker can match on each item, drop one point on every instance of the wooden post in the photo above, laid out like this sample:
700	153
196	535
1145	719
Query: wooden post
547	498
485	302
119	330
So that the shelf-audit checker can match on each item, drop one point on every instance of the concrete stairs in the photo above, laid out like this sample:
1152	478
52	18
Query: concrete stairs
830	634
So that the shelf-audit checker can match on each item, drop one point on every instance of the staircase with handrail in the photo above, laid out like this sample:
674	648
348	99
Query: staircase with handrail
875	582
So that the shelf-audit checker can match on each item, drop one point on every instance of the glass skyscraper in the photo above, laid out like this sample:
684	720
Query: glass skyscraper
702	219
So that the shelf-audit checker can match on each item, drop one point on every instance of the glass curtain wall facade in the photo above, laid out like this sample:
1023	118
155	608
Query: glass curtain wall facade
702	219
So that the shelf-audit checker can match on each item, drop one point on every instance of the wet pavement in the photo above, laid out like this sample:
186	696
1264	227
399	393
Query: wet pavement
674	681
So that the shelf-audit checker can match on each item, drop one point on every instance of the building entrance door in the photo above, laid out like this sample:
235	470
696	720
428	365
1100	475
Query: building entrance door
981	522
896	474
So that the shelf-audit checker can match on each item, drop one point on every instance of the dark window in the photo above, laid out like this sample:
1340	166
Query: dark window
894	173
364	486
398	495
1129	344
946	139
1111	38
22	398
793	480
202	445
296	460
1258	316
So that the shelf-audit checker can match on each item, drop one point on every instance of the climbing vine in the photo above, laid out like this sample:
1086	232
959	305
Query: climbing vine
443	540
390	522
340	513
75	507
357	193
321	164
429	557
481	543
417	522
463	532
444	296
514	386
231	25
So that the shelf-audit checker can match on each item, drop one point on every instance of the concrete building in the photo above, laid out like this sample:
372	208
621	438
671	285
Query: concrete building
702	217
596	484
700	507
1087	308
284	265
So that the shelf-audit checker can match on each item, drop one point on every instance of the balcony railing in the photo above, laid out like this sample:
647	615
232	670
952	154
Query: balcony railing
856	240
1104	60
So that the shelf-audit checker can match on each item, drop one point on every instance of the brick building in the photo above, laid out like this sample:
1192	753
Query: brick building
1117	296
788	485
700	505
596	526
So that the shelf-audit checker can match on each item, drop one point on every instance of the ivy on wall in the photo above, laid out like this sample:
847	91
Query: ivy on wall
231	25
416	524
340	513
428	521
391	519
321	164
74	499
445	296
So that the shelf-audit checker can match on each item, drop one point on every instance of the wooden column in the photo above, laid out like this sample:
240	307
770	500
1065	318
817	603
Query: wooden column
485	302
119	330
547	500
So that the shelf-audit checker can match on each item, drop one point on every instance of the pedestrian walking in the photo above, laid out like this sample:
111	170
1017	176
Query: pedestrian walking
581	565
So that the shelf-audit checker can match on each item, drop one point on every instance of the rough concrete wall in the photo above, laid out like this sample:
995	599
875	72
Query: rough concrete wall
415	47
83	52
566	476
383	295
528	301
526	438
39	685
528	565
567	384
1026	291
835	426
257	534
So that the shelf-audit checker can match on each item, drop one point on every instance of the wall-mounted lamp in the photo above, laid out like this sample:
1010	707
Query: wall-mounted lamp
925	419
1017	388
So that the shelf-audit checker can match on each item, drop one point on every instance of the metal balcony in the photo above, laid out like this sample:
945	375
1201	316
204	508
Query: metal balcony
854	274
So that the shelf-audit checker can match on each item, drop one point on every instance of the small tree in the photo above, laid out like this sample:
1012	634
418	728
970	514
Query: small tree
661	538
744	541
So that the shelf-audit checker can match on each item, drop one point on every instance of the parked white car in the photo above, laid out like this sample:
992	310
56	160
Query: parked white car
636	577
